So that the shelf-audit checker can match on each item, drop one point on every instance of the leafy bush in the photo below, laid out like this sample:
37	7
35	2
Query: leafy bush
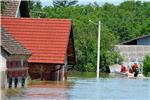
109	58
146	65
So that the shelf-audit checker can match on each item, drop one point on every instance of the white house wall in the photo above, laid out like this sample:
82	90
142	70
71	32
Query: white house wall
2	62
2	70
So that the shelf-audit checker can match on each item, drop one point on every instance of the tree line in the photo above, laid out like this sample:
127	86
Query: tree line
119	23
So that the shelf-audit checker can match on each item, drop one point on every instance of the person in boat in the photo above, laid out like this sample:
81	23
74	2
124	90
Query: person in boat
123	68
135	69
134	66
130	70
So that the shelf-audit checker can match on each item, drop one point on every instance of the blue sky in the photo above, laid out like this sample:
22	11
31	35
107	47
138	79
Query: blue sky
101	2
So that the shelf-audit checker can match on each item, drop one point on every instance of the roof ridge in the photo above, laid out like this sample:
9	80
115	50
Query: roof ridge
136	38
36	18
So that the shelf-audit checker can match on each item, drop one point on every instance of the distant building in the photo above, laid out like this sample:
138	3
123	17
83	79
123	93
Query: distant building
143	40
134	50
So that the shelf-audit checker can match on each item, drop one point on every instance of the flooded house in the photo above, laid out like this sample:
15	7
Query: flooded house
134	50
14	62
50	42
12	9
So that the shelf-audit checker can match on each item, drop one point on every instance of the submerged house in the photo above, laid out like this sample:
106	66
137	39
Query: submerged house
14	62
50	42
134	50
13	56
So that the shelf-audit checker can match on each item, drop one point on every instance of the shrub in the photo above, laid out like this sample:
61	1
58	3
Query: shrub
146	65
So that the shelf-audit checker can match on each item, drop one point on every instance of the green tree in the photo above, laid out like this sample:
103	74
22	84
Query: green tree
36	9
146	65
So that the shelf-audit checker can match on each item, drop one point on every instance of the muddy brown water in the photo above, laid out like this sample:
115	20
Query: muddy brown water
83	86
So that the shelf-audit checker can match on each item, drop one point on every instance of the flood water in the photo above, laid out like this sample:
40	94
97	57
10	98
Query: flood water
84	86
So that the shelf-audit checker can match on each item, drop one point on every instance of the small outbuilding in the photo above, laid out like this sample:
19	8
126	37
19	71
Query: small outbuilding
135	49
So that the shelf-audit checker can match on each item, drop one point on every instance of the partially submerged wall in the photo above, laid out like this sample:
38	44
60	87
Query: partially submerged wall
3	68
133	53
47	71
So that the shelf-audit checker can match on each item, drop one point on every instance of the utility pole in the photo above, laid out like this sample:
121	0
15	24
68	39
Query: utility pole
98	51
98	48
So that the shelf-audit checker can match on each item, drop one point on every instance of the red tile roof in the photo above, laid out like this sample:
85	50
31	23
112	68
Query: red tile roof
47	39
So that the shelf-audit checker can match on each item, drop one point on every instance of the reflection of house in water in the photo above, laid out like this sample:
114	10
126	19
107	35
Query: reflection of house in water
49	40
134	50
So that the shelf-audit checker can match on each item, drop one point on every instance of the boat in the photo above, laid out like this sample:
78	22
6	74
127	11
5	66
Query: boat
116	69
131	75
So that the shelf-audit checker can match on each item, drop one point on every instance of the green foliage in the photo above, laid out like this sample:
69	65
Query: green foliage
146	65
118	23
36	9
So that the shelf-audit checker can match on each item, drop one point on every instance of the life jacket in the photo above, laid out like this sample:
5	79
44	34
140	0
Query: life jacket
134	66
123	68
130	70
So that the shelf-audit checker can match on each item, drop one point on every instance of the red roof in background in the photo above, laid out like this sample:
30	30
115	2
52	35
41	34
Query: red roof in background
47	39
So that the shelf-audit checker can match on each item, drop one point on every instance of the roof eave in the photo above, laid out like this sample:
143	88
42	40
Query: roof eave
65	55
134	39
47	63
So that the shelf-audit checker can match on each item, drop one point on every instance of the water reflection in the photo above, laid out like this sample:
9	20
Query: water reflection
84	86
48	90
